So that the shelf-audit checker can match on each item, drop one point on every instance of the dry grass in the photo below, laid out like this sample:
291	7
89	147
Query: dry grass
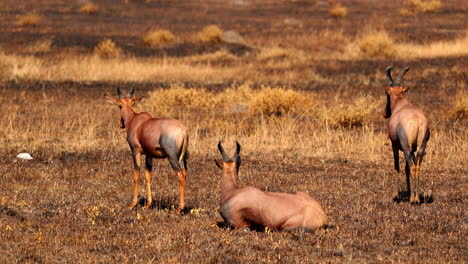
89	8
157	38
338	10
280	102
347	113
424	6
107	49
210	34
39	46
376	44
459	109
446	48
30	19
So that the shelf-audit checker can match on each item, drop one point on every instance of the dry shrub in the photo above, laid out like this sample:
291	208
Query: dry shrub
338	10
29	19
406	12
376	44
210	34
219	56
107	49
279	102
356	113
460	106
158	37
89	8
424	6
455	47
278	53
39	46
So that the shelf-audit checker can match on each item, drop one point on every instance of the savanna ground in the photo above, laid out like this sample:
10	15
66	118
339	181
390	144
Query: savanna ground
302	90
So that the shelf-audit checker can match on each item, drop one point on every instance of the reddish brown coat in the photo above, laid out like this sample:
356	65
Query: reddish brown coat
158	138
248	206
408	130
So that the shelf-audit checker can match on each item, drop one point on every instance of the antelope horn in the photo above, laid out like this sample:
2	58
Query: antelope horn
130	93
402	74
236	154
225	157
119	92
389	74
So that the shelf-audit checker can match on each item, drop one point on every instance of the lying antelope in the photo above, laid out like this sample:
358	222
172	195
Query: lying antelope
157	138
408	129
243	207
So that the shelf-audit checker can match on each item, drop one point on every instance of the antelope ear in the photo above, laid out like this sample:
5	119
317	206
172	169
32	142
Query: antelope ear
136	100
218	164
113	100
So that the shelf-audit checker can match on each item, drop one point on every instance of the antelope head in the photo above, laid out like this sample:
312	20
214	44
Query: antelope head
124	101
394	88
229	165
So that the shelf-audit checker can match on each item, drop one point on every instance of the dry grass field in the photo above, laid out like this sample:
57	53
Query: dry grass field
300	84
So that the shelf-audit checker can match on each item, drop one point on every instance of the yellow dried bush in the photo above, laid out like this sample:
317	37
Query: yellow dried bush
107	49
424	6
460	106
278	102
343	113
29	19
338	10
88	8
158	37
210	34
376	44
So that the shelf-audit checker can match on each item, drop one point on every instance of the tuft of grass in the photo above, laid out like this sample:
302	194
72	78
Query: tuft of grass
424	6
107	49
338	10
406	12
30	19
278	53
158	37
89	8
210	34
459	109
39	46
376	44
279	102
345	114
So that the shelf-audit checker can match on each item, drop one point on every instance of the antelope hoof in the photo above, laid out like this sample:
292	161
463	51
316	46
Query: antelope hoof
414	199
148	205
132	205
179	210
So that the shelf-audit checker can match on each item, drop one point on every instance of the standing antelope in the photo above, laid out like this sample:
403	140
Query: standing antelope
250	207
408	129
158	138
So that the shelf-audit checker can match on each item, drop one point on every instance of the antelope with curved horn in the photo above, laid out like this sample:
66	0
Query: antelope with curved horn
408	129
248	206
157	138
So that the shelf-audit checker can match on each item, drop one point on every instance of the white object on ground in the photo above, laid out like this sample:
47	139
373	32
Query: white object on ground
25	156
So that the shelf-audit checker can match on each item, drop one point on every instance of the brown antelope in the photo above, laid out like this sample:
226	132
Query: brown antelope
408	129
248	206
157	138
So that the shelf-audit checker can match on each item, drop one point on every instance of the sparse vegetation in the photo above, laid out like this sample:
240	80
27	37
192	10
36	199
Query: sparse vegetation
376	44
107	49
89	8
460	106
210	34
338	10
160	37
424	6
306	109
30	19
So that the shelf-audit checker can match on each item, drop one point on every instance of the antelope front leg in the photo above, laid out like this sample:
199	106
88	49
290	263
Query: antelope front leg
136	177
148	168
396	165
182	175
